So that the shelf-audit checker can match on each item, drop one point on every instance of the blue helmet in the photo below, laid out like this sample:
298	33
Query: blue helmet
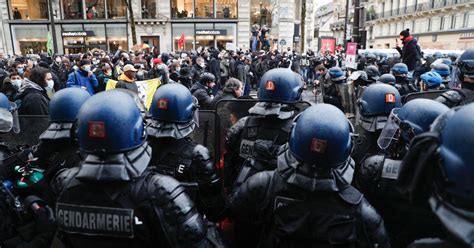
400	69
465	63
453	196
336	74
431	79
442	69
65	104
447	62
379	99
110	122
387	79
5	103
173	103
280	85
437	55
321	136
414	118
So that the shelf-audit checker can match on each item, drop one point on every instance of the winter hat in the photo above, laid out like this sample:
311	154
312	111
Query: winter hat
405	32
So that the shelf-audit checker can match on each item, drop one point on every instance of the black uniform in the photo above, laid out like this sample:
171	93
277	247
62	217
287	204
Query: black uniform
298	209
376	178
114	201
253	144
192	165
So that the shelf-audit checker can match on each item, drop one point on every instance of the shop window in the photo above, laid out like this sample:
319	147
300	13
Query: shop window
117	37
73	9
226	9
204	40
204	9
97	41
187	30
30	39
149	9
95	9
29	9
261	13
116	9
228	37
73	45
182	9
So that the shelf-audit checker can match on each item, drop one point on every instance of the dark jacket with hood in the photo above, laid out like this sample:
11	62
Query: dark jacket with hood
32	99
409	52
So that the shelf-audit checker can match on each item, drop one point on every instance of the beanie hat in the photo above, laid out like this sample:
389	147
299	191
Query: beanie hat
157	61
405	32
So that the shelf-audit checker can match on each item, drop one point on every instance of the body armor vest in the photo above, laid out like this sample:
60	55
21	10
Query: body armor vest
106	214
313	219
176	161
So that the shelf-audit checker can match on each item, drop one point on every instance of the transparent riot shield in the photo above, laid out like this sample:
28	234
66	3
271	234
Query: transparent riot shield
424	95
31	127
230	111
206	133
348	97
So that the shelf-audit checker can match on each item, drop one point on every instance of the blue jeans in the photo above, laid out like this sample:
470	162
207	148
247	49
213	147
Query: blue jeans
254	43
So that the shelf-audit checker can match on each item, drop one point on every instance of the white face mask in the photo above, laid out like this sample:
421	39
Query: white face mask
17	83
58	60
203	65
50	84
87	68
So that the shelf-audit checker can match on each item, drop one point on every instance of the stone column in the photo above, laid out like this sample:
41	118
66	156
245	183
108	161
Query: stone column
243	26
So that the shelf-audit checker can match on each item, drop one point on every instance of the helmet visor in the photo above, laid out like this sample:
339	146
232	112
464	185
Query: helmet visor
389	131
6	121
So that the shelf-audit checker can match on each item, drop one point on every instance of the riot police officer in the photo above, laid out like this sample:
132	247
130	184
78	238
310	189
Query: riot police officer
444	71
112	199
431	81
372	73
465	95
58	145
447	187
308	200
400	71
258	137
331	95
175	154
378	173
375	106
387	79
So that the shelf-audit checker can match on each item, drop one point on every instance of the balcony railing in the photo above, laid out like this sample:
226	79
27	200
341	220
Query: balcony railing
434	4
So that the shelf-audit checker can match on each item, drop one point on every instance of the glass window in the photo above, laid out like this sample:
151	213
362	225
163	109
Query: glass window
29	9
73	9
30	39
73	45
149	9
117	36
261	13
95	9
222	40
226	9
97	40
182	9
186	29
204	9
116	9
204	40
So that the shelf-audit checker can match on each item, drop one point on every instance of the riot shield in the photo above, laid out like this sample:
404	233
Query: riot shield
205	134
230	111
348	97
31	127
424	95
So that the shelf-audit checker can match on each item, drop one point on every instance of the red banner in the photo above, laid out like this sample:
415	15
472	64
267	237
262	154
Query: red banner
181	42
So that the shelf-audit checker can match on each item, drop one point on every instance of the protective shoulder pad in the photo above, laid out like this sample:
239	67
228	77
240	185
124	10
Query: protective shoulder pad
451	98
62	178
371	167
351	195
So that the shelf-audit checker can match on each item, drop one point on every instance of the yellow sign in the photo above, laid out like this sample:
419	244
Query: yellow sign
146	89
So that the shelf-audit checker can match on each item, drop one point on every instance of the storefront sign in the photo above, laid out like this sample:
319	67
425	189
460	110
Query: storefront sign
466	36
77	33
211	32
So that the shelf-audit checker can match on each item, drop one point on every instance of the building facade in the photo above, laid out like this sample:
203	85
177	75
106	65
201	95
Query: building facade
85	25
436	24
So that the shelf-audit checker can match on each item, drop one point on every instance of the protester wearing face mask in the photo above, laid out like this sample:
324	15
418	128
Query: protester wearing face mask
19	67
32	98
127	79
11	85
174	69
83	78
104	75
199	68
141	73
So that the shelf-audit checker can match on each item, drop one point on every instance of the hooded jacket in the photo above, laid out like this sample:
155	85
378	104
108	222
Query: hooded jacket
409	52
32	99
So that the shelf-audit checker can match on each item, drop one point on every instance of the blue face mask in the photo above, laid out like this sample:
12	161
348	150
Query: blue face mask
21	71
